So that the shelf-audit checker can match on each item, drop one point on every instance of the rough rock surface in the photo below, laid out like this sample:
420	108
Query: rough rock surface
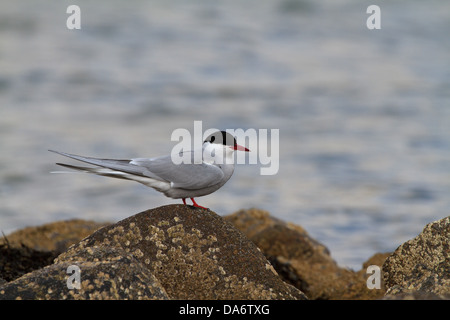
56	236
186	253
177	252
17	261
105	273
32	248
421	265
195	254
301	260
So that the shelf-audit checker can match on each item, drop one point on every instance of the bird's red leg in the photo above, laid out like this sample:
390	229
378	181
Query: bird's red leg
184	200
196	205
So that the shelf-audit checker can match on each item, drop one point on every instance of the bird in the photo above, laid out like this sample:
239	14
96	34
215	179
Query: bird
189	179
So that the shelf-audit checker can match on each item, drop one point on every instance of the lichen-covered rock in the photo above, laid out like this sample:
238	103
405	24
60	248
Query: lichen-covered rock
56	236
32	248
194	253
421	264
104	273
415	295
300	259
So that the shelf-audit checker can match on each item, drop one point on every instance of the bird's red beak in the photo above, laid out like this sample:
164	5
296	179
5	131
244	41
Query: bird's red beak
240	148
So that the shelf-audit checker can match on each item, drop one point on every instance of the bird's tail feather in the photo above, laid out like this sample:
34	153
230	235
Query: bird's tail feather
161	186
98	170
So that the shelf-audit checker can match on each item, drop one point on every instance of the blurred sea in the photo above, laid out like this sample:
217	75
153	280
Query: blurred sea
364	115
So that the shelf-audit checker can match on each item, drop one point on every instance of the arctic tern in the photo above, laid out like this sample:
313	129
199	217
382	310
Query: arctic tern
177	181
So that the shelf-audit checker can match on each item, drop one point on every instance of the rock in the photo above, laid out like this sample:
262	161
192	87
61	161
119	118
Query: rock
301	260
56	236
376	260
15	262
33	248
415	295
193	253
422	264
105	273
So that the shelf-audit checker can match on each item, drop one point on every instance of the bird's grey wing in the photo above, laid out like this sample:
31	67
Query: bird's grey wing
184	175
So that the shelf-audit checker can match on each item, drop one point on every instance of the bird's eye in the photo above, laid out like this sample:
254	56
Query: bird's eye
213	138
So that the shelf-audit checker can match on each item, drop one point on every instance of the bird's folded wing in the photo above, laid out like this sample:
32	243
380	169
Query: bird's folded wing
184	175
